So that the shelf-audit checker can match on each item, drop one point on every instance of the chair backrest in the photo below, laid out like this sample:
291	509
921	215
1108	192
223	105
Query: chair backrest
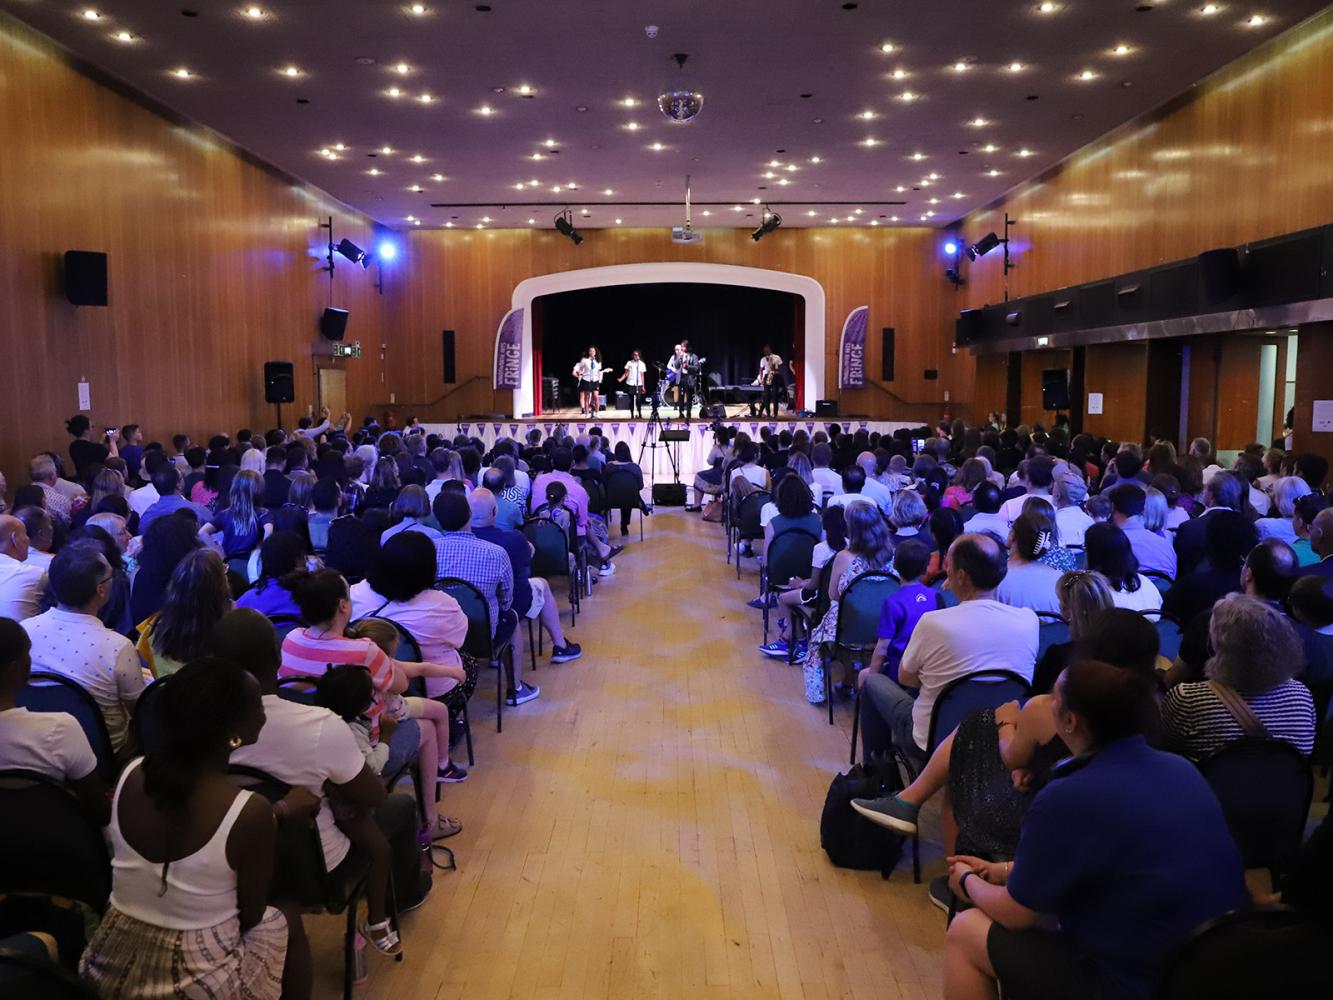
283	625
550	545
26	977
147	725
859	608
298	689
1270	951
1265	787
48	692
789	554
620	488
48	844
1160	580
1169	636
1051	631
596	501
747	517
479	634
983	689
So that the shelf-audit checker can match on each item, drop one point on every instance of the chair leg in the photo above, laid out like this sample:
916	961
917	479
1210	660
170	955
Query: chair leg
499	695
828	689
640	524
856	725
532	649
349	948
916	859
467	735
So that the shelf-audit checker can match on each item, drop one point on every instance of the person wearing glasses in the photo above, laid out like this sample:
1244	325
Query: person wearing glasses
71	640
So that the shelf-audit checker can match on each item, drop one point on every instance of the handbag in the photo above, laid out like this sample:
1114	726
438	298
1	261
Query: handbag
1250	724
848	838
713	511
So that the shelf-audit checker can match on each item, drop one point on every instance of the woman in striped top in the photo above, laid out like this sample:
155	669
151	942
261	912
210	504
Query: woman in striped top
1256	653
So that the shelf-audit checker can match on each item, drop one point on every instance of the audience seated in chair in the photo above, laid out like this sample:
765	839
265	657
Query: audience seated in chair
165	544
193	858
48	743
1222	491
283	553
1028	582
1109	553
1152	550
979	633
1229	537
902	609
1249	689
1121	832
21	580
1084	597
986	502
197	597
804	593
71	640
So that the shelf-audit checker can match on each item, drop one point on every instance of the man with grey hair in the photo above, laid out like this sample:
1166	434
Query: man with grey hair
42	471
1223	492
41	535
1071	520
21	583
1321	542
873	488
533	599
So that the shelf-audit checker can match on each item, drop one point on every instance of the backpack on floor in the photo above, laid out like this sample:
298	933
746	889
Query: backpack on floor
848	838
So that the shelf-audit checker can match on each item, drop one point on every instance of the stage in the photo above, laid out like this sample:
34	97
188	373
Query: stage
618	425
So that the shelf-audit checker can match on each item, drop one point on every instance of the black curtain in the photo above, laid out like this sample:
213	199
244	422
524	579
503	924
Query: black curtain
727	324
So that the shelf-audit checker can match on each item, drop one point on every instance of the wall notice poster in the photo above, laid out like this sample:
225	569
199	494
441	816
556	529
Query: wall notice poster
1094	402
1321	416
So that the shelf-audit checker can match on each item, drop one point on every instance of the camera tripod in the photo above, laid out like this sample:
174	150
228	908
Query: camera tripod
650	435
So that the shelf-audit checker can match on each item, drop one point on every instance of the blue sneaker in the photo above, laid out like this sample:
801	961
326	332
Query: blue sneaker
776	649
768	600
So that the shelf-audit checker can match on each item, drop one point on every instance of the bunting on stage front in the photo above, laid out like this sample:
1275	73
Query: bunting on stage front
509	351
852	350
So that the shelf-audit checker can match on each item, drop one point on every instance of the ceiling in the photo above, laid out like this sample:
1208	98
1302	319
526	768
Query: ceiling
997	96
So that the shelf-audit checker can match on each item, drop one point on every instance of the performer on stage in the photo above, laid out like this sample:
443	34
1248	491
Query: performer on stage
633	377
770	377
684	364
588	372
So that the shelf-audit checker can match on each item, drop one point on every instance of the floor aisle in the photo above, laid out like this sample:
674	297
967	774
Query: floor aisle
649	826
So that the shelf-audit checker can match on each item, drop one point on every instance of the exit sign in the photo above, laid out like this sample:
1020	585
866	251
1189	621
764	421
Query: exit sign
352	350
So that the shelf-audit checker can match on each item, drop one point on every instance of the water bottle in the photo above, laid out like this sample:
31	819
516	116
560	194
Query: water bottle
359	973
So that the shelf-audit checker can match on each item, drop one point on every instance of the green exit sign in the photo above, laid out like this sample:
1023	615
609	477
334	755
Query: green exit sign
352	350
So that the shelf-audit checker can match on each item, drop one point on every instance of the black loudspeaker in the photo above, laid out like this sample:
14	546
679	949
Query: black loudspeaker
969	327
333	324
931	374
716	411
886	356
1055	389
447	348
1220	270
85	277
279	383
668	494
826	407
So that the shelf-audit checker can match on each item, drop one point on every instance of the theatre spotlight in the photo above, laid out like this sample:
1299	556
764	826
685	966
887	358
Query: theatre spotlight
565	227
353	253
771	222
387	250
983	246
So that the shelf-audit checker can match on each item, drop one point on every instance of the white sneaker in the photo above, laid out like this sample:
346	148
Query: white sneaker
608	570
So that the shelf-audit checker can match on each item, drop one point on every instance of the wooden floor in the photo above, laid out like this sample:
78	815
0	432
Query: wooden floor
649	827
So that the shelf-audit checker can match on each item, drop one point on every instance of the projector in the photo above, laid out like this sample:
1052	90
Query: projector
684	234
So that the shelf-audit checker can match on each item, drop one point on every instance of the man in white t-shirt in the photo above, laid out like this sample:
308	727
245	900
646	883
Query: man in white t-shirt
70	640
49	743
980	633
633	377
873	488
821	455
21	581
986	503
1038	476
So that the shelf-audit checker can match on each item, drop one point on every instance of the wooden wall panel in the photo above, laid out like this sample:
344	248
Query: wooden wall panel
1314	360
1034	363
464	280
213	267
1120	373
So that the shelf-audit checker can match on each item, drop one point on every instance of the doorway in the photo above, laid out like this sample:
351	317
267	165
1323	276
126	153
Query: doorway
332	383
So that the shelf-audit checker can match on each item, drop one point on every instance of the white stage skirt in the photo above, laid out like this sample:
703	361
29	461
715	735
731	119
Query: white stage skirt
690	456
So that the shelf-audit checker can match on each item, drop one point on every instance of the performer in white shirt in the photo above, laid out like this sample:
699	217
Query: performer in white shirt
588	371
633	378
683	369
770	377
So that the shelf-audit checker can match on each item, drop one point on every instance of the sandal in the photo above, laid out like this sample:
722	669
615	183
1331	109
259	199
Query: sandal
382	937
445	827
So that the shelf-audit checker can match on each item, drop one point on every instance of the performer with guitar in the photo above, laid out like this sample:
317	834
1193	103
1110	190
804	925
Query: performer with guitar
588	372
770	377
633	377
683	372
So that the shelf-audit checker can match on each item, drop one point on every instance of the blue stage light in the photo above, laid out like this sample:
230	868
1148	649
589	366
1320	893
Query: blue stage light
387	250
951	249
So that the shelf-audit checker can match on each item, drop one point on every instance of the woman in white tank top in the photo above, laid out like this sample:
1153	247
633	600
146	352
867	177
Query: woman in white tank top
192	856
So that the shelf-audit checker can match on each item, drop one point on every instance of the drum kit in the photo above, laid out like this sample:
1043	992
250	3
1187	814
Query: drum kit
669	390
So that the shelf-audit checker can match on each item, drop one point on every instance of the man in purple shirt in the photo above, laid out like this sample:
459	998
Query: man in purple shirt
902	609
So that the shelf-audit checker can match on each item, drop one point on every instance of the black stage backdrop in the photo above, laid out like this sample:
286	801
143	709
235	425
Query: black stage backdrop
727	324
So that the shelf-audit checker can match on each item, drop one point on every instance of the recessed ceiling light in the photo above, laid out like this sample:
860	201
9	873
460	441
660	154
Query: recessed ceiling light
893	218
254	13
181	73
479	226
556	189
934	201
416	189
833	218
874	222
1209	9
519	186
768	175
1026	153
374	171
91	15
908	96
957	194
532	222
618	221
979	122
394	92
437	177
584	212
869	141
123	36
328	154
754	201
485	110
1086	75
1047	8
572	186
448	225
537	156
426	99
525	89
775	163
866	115
657	147
409	218
992	173
900	189
899	74
706	212
790	168
608	192
402	69
990	147
1255	20
632	126
1121	50
535	183
816	159
1016	67
418	158
934	177
783	182
856	211
737	208
888	48
386	150
918	156
291	71
485	218
629	102
416	222
339	146
418	9
961	66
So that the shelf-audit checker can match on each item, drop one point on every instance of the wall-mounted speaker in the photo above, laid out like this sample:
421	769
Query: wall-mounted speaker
1055	389
1220	270
333	324
447	351
970	327
279	382
931	374
886	356
85	277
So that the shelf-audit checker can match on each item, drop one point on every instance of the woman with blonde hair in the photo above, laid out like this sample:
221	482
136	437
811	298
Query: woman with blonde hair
245	522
